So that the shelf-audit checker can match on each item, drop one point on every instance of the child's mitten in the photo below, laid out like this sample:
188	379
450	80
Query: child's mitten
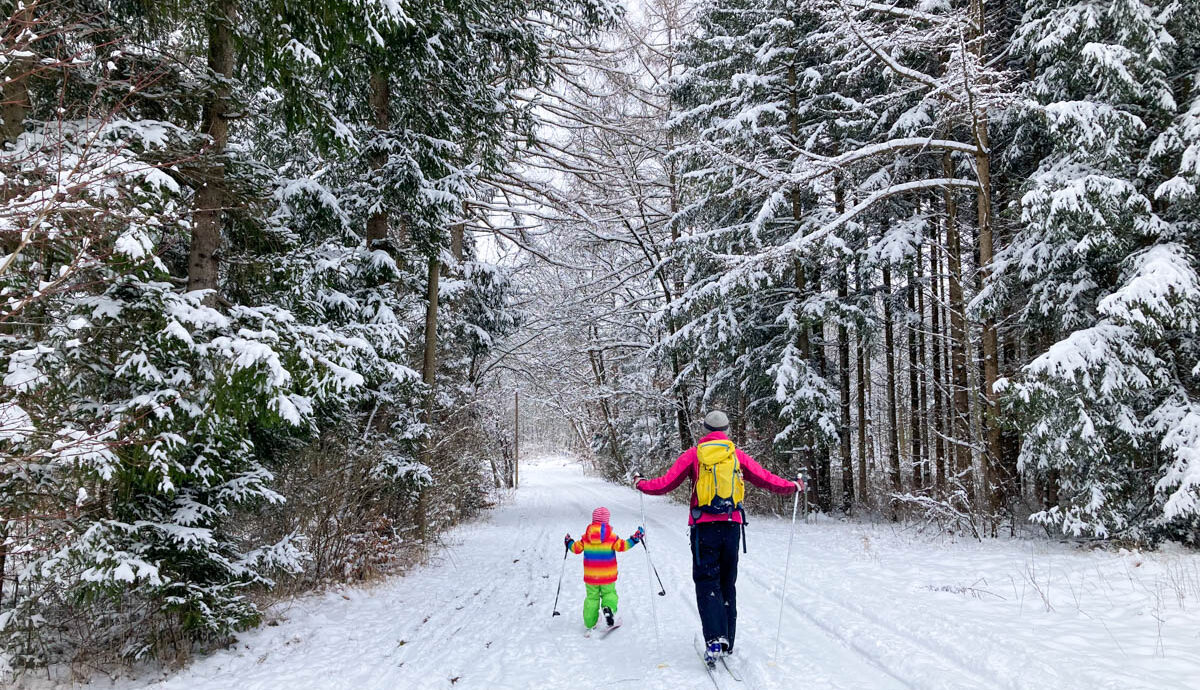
637	536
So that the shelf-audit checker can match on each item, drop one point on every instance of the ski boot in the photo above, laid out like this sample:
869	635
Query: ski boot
715	650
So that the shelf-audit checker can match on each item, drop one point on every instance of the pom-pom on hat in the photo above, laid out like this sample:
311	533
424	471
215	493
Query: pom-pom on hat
600	515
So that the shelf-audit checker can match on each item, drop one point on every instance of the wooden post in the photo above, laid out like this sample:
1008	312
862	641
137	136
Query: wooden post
516	438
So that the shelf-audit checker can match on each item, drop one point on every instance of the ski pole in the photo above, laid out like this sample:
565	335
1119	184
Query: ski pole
653	608
662	591
563	569
788	562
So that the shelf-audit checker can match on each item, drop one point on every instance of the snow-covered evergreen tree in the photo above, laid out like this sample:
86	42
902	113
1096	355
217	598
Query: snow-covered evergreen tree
1105	257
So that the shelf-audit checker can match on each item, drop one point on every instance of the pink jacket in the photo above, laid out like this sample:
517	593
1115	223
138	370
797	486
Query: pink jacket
686	467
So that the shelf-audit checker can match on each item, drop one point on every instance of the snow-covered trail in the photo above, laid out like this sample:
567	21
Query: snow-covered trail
863	612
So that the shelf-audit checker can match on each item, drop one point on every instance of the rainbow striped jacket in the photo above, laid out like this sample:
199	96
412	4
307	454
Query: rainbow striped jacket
599	546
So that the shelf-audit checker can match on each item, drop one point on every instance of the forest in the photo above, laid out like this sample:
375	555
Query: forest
272	272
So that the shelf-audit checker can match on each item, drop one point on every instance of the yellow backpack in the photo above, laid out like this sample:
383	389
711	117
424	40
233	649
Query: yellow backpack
719	485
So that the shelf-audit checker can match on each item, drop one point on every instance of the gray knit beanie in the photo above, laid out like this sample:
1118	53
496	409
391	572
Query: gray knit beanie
716	421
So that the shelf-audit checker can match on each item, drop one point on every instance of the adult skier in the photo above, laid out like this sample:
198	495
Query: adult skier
716	469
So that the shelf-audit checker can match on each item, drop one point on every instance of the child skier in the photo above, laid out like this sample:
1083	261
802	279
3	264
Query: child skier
599	546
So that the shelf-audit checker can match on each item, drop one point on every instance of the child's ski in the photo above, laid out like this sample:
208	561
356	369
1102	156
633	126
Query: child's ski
605	632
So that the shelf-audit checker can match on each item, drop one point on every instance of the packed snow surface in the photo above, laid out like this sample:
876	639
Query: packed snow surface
868	606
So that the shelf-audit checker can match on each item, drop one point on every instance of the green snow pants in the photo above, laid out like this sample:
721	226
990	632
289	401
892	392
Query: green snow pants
597	595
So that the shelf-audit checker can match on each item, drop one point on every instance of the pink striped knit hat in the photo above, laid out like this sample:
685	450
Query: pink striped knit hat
600	515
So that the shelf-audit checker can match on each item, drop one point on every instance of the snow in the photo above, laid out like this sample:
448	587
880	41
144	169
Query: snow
22	376
1159	277
869	606
15	423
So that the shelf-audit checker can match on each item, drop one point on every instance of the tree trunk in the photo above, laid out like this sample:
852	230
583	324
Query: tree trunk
961	439
739	421
923	381
1002	479
863	385
516	482
429	363
844	389
808	436
380	102
14	93
429	378
458	235
207	206
495	470
1010	441
937	345
890	348
916	412
820	449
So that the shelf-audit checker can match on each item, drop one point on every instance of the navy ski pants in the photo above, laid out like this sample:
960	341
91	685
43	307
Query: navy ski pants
714	570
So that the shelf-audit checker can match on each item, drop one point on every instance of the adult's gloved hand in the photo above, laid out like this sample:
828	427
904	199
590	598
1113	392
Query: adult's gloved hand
800	485
637	477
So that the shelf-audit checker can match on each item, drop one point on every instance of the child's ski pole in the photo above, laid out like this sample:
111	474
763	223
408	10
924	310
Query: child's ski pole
566	550
788	561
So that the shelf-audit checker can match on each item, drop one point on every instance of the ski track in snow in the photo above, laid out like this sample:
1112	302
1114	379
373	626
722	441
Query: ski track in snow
867	608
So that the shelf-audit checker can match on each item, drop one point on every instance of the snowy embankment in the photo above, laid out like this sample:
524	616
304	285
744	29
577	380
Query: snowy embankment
867	608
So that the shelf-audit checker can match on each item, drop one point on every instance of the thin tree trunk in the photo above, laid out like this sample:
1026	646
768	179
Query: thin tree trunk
916	413
890	347
863	385
429	362
204	254
923	381
839	207
516	439
818	362
495	470
844	388
802	342
739	421
429	378
1002	479
380	101
937	345
958	346
458	233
